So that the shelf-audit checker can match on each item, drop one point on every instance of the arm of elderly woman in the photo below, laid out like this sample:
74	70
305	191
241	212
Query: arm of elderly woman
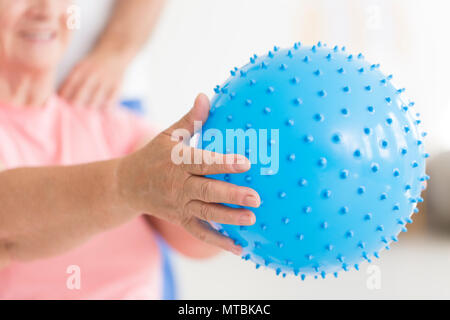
48	210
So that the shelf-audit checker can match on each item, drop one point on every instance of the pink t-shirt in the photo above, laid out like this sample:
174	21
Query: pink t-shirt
124	263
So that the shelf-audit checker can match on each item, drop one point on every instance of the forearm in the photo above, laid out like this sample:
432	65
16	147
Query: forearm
48	210
129	27
183	242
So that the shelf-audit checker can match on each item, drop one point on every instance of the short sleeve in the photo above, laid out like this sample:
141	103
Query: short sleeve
125	132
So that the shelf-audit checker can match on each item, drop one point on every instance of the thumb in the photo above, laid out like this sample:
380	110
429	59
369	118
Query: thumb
199	112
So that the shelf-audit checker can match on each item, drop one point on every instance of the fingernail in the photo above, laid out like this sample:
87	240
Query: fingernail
251	201
246	220
236	250
241	165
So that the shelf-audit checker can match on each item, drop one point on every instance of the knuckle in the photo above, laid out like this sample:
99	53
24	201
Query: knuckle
233	195
205	213
205	190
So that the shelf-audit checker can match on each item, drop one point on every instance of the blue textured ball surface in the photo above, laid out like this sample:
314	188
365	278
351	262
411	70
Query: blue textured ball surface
351	158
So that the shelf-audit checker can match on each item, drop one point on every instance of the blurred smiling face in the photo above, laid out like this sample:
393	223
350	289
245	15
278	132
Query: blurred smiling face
33	33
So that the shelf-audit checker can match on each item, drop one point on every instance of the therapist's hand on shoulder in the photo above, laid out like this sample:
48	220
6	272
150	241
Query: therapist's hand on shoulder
95	82
151	182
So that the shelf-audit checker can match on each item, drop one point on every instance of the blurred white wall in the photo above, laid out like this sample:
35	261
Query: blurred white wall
199	41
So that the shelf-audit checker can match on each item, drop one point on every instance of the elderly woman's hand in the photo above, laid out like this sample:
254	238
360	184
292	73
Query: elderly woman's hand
95	81
151	182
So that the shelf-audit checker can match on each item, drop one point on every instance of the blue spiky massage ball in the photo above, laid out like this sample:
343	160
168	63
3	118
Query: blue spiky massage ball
340	169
